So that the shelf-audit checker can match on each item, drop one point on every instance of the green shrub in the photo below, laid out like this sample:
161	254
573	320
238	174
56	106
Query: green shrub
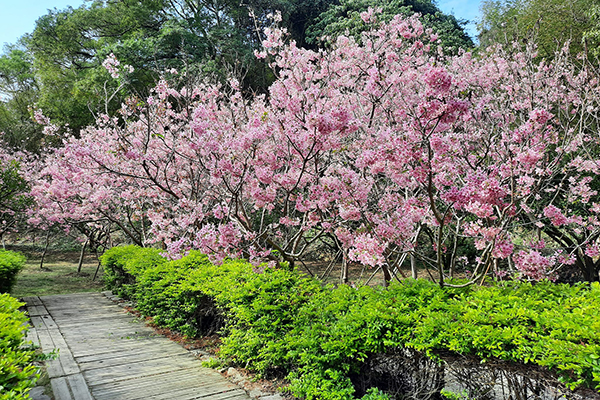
17	374
277	321
123	263
10	265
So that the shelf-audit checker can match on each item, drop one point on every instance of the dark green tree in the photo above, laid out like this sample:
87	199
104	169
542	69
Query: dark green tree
344	16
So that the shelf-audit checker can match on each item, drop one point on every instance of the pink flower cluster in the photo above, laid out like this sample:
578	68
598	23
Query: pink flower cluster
386	159
114	67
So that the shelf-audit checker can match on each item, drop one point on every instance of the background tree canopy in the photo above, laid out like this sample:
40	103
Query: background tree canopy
58	67
548	23
344	16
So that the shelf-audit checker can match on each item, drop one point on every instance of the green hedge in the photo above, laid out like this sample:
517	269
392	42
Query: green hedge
280	322
10	265
17	374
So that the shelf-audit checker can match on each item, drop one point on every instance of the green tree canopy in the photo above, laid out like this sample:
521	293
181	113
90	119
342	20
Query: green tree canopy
18	91
58	67
548	23
344	16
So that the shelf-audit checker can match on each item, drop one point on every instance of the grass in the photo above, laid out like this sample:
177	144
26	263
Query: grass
59	275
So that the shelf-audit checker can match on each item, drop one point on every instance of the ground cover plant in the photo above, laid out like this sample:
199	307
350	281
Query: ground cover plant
278	322
17	374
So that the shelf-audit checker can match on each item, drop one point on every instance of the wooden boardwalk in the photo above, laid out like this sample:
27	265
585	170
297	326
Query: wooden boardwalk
105	354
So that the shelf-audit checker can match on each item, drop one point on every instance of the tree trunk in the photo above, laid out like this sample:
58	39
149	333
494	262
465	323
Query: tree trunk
45	249
413	266
98	267
387	276
344	272
87	239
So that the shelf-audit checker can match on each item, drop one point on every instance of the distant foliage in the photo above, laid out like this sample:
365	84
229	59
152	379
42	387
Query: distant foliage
14	192
343	18
547	23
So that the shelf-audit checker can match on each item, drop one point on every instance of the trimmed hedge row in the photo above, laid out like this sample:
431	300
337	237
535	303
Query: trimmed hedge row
11	264
17	374
280	322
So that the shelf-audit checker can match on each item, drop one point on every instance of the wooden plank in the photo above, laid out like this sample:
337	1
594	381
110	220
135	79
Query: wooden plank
70	309
79	387
156	384
32	336
216	392
136	370
33	300
60	389
171	377
88	346
65	357
48	322
53	367
37	322
125	358
121	359
91	348
36	311
80	316
208	388
160	348
153	387
226	395
81	320
96	329
119	334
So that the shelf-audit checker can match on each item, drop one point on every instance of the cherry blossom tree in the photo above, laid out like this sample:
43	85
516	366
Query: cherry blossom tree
385	149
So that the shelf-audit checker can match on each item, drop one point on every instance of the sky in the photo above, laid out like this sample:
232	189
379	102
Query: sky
17	17
462	9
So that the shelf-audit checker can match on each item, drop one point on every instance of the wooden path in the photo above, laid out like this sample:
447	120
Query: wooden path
105	354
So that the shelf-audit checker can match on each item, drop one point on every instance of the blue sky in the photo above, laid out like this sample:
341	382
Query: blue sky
463	9
17	17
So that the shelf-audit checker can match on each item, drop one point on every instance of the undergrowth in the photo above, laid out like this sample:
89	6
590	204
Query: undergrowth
277	322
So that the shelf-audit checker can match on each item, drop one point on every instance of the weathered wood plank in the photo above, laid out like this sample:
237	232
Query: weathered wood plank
65	357
35	311
53	367
98	330
32	300
217	392
60	389
32	336
81	318
135	370
122	359
79	387
82	350
47	321
109	353
153	385
106	354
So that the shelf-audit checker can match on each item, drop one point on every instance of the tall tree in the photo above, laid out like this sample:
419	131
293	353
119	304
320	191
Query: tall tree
548	23
344	16
18	92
